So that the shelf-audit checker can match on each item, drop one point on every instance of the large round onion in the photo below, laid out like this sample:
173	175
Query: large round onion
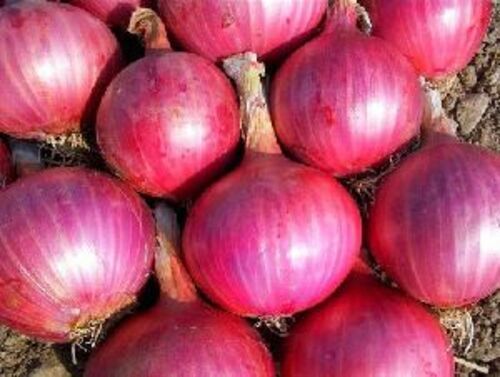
220	28
181	336
169	123
55	63
273	237
345	100
440	37
6	168
367	329
75	247
435	225
113	12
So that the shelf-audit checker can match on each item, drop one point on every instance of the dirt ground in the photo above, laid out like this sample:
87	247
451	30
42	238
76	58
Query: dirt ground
473	100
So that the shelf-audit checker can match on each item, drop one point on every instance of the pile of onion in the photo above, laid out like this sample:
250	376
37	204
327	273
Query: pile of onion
439	37
367	329
435	224
345	100
218	29
75	247
113	12
6	169
55	63
181	335
273	237
168	123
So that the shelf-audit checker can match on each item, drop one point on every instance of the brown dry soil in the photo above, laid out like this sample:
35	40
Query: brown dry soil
473	100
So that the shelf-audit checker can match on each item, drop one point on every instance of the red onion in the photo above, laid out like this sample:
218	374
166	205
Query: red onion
367	329
180	336
168	123
113	12
56	61
75	247
273	237
440	37
435	225
219	28
345	100
5	165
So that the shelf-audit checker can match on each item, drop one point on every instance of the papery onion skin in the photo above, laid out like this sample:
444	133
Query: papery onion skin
435	224
272	238
440	37
56	61
177	340
219	28
367	329
345	101
113	12
75	247
6	168
169	124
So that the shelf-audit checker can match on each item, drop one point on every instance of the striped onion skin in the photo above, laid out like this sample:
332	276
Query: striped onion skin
221	28
177	340
440	37
6	168
272	238
368	330
113	12
75	247
435	224
345	101
56	61
169	124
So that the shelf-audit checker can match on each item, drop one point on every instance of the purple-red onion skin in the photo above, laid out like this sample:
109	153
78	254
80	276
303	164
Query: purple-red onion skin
272	238
112	12
367	329
55	63
6	168
178	340
169	124
345	101
440	37
75	246
435	224
220	28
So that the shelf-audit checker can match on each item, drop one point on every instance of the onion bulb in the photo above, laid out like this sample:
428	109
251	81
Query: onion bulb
75	247
113	12
273	237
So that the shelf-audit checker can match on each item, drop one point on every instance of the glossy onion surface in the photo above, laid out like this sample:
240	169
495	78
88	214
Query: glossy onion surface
435	225
272	238
169	124
440	37
345	101
367	330
55	63
6	169
182	339
221	28
113	12
75	246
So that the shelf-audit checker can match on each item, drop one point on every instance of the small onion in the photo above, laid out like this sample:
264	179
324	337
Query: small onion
55	63
220	28
439	37
367	329
181	336
6	169
75	247
435	224
169	123
273	237
113	12
345	100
